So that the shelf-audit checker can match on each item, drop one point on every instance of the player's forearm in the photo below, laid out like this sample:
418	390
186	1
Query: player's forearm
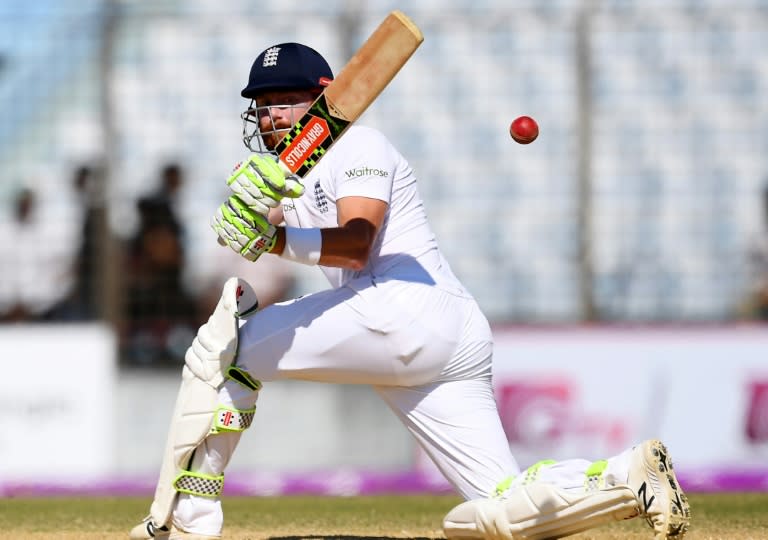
343	247
335	249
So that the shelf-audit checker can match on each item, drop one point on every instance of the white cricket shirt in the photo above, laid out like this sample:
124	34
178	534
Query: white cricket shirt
364	163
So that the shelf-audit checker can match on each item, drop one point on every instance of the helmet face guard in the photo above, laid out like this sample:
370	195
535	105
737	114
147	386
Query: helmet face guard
260	133
251	131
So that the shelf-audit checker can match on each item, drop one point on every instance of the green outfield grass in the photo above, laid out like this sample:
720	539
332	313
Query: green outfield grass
739	516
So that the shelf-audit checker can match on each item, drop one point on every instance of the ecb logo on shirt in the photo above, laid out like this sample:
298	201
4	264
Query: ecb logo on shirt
321	202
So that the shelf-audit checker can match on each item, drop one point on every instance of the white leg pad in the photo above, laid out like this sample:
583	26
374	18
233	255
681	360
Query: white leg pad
197	413
192	420
538	512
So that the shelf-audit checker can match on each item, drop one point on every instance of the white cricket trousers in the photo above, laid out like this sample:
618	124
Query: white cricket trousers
426	351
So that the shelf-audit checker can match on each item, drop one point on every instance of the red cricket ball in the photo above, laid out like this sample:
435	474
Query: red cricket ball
524	129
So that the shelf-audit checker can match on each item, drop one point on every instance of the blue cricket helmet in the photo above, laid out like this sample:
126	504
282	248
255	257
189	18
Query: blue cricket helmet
287	66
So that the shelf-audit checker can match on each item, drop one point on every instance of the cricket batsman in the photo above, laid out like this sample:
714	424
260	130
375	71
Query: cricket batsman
395	318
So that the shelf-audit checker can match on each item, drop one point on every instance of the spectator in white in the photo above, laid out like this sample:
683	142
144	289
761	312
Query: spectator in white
34	277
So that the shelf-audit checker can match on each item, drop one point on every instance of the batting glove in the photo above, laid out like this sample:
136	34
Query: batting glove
261	183
243	229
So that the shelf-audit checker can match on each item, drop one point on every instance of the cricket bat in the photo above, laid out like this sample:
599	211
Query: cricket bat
343	101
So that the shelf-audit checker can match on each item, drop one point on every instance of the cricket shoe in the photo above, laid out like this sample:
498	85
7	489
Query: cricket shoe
146	530
662	502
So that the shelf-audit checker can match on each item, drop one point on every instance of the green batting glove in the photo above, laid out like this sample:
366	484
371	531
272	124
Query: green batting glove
242	229
261	183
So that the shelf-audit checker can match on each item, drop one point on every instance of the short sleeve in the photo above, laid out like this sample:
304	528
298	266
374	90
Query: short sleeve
368	166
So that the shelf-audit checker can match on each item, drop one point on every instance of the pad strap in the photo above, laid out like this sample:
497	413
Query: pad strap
229	419
241	376
225	420
527	477
202	485
594	478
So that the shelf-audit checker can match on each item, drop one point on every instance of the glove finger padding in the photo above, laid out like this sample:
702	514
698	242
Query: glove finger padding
240	213
247	232
255	199
261	181
278	176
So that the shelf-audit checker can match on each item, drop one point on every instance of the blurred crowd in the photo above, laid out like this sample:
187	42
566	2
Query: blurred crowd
154	309
157	313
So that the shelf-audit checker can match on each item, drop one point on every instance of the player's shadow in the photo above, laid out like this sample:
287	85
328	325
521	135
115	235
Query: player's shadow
346	537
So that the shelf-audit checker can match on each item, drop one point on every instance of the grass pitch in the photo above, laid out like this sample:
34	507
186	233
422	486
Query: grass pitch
728	516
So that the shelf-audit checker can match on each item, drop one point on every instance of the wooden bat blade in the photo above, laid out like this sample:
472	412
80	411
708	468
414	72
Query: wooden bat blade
357	85
373	66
